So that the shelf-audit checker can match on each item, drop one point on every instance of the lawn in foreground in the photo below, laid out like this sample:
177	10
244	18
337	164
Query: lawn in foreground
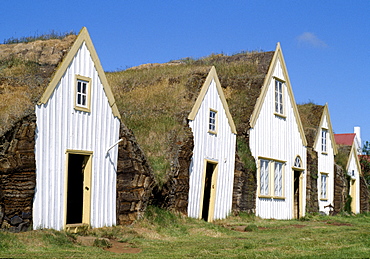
162	234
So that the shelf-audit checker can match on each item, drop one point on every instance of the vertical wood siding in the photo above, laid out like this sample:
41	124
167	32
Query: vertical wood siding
219	148
352	165
278	138
60	127
325	165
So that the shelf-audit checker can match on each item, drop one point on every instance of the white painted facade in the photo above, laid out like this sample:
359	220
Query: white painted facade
216	148
325	163
278	139
354	170
60	128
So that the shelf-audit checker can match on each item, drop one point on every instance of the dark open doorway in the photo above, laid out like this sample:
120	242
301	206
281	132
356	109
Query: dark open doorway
207	190
296	190
75	191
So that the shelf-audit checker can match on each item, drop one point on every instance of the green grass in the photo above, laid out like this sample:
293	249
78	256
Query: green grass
162	234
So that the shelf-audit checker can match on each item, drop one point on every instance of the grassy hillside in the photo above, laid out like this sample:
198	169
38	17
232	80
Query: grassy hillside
155	99
162	234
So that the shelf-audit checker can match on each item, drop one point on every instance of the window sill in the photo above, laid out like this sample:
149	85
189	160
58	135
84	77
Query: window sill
278	198
82	109
323	199
265	196
212	132
280	115
324	153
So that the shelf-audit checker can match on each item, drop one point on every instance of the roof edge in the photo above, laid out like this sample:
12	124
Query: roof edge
278	55
330	128
212	74
82	37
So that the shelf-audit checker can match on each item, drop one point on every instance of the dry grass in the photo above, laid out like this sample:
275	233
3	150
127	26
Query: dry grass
25	71
155	99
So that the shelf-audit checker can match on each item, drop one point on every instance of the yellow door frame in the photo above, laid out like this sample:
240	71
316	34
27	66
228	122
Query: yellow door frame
353	195
86	210
300	190
212	201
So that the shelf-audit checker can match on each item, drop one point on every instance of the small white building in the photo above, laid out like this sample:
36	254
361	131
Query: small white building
77	121
278	144
320	139
348	146
212	167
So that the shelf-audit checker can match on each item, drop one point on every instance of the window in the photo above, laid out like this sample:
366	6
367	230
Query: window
279	108
264	177
297	162
271	178
323	140
82	94
278	179
323	188
212	121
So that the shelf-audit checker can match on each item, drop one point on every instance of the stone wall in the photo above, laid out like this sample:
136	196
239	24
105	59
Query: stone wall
340	189
135	179
175	192
245	187
364	195
312	205
17	175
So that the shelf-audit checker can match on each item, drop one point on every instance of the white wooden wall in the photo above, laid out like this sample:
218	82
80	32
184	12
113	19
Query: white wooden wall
325	165
352	165
61	127
278	138
220	148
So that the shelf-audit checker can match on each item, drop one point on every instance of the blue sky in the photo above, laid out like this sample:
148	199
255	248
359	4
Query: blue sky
326	44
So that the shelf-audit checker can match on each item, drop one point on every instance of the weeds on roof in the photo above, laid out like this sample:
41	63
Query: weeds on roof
51	35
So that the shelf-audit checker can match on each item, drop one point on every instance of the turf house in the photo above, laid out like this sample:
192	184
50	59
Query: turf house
66	158
278	144
164	96
212	166
321	149
348	158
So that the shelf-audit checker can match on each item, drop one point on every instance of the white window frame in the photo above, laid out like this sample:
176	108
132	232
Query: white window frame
324	138
279	97
324	186
212	121
82	98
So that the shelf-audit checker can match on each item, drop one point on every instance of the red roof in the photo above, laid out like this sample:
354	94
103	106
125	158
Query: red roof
345	139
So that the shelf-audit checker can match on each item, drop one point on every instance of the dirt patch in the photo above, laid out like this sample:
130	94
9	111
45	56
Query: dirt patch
112	245
338	224
122	248
298	226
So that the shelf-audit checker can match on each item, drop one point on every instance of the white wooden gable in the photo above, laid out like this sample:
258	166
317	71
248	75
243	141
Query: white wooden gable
216	147
354	170
276	141
63	130
325	152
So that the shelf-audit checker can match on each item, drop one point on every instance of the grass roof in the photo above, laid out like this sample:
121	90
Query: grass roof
155	99
310	115
25	71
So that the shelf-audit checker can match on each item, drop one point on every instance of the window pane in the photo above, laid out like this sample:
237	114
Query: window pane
212	121
264	176
78	87
78	98
84	100
278	179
